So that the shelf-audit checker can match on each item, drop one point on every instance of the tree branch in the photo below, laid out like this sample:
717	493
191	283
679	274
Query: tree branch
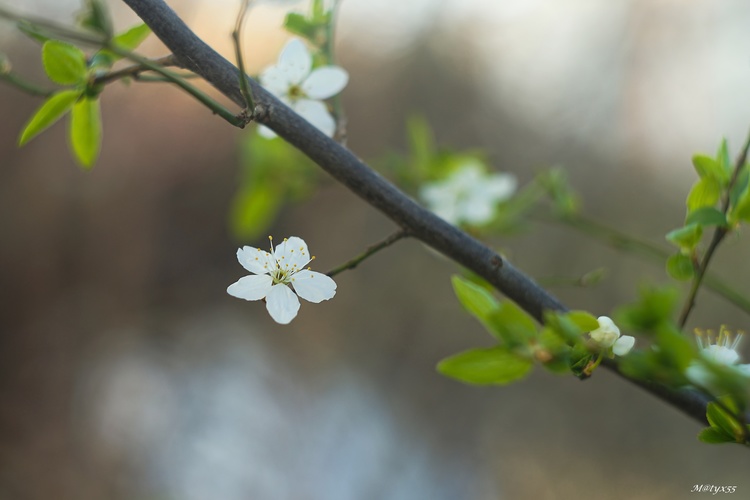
345	167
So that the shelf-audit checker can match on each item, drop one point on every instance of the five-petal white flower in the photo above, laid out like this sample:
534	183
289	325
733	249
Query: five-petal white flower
608	335
718	349
469	195
302	88
276	273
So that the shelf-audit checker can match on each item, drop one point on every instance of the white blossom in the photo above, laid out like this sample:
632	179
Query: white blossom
715	349
279	277
293	80
608	335
469	195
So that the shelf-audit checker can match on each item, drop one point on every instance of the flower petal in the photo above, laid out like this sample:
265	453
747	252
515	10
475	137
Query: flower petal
292	254
255	260
607	333
253	287
266	132
316	113
623	345
325	82
312	286
276	81
282	304
295	61
499	187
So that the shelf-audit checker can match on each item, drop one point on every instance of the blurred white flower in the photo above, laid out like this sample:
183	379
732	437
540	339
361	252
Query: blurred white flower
469	195
715	349
276	273
302	88
608	335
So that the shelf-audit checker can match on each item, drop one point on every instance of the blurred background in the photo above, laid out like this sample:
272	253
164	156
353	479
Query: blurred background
127	372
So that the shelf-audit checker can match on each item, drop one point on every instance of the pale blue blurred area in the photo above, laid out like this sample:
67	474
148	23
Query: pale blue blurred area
217	414
127	372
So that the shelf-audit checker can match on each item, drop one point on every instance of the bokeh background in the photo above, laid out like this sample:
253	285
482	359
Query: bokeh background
127	372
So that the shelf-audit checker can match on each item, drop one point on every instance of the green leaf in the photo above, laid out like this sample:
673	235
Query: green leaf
712	435
64	63
511	324
493	366
719	419
707	216
254	209
132	38
654	307
680	267
479	302
421	144
51	111
127	40
740	185
95	17
584	320
708	167
722	157
5	66
298	24
704	193
687	237
86	131
31	31
741	211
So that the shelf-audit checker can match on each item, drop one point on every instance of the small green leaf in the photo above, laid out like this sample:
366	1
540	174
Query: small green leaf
254	209
722	157
680	267
712	435
51	111
654	307
299	25
421	144
479	302
31	31
86	131
133	37
584	320
95	17
64	63
493	366
686	237
5	66
719	419
741	211
510	324
707	216
704	193
709	167
127	40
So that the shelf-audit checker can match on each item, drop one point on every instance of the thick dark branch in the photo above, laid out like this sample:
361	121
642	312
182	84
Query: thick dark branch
345	167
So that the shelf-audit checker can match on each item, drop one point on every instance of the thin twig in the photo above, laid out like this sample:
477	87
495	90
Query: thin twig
719	233
237	38
28	87
371	250
338	106
135	70
628	243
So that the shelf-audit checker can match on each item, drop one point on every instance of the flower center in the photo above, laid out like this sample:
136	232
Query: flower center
296	93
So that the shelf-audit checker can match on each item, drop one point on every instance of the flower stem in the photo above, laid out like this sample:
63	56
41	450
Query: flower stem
247	94
718	236
371	250
338	107
628	243
28	87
